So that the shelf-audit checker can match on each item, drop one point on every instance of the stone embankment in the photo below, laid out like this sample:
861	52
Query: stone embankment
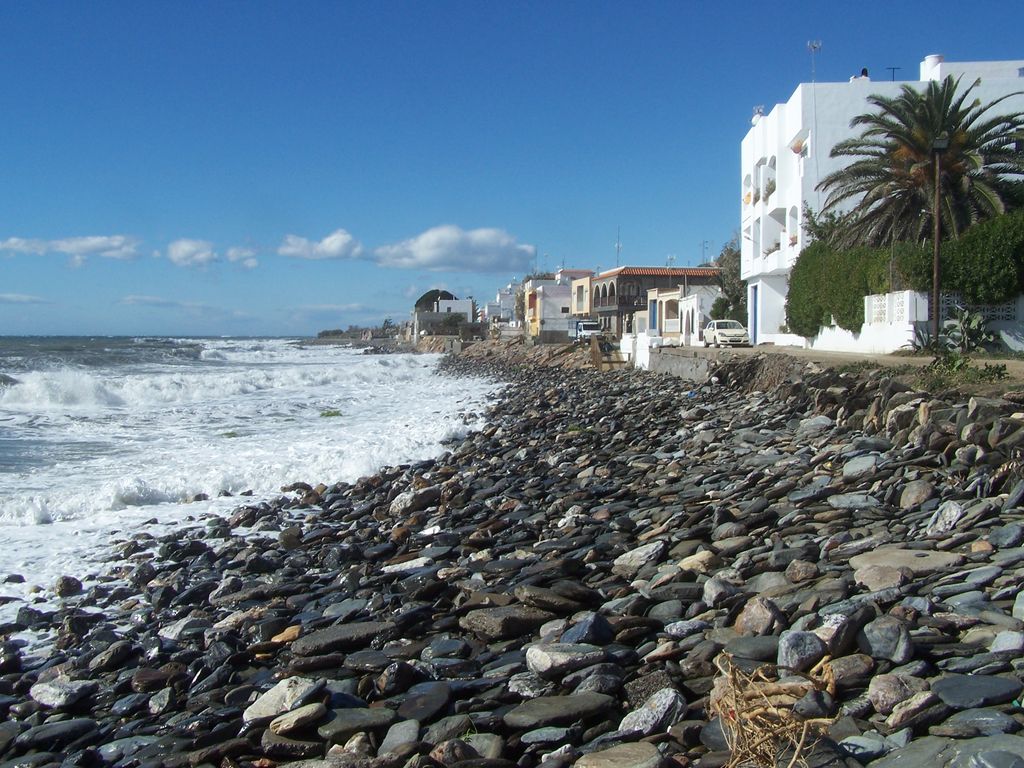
611	574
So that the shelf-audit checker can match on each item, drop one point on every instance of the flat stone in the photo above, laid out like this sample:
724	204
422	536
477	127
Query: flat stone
398	735
860	467
489	746
637	755
275	745
879	577
760	616
853	501
939	752
452	727
55	735
703	562
945	518
60	693
800	651
298	718
915	493
920	562
661	711
554	660
341	637
283	697
974	691
764	648
921	709
425	701
986	722
345	723
886	638
592	628
1008	641
886	691
632	561
557	710
504	623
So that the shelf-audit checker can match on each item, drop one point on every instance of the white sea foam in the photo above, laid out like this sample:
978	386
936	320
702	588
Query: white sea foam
88	453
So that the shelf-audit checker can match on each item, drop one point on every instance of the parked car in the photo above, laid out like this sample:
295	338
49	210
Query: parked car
726	333
587	328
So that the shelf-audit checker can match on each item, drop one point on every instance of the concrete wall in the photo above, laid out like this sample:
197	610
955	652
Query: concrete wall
679	363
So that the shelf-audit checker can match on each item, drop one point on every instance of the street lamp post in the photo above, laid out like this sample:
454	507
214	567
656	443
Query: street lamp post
939	145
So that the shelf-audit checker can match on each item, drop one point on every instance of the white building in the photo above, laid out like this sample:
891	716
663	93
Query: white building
786	153
456	307
503	308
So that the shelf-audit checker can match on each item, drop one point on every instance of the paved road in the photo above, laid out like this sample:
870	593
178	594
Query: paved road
1014	367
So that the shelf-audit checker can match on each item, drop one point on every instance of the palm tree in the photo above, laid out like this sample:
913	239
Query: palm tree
891	181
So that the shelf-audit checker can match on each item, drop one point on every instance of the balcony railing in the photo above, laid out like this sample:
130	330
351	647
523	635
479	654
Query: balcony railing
621	302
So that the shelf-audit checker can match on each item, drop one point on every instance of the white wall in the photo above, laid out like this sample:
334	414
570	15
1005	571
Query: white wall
553	308
457	306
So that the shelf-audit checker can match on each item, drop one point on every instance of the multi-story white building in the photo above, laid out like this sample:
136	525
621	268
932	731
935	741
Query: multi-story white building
786	153
503	308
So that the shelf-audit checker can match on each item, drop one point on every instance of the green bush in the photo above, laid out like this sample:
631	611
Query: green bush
986	266
987	263
826	283
805	305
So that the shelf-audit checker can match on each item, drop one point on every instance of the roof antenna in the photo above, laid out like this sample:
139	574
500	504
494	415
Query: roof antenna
813	46
618	245
892	71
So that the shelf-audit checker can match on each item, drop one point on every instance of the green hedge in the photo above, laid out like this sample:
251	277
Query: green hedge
986	266
826	283
987	263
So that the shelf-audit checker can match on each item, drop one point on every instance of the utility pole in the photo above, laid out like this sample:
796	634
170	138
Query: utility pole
813	46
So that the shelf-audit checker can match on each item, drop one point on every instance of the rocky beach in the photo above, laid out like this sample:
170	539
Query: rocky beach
783	565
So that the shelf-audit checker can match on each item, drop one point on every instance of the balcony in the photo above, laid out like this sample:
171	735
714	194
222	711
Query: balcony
621	302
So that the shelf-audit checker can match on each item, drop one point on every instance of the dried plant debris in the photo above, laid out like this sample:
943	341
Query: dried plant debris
759	713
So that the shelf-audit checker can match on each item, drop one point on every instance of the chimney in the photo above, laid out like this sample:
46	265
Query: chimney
930	66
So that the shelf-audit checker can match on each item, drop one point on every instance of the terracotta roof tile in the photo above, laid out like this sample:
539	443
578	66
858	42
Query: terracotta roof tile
661	272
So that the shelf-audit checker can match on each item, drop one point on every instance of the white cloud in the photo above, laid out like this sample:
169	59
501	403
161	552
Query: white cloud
21	298
244	256
78	248
451	248
337	245
191	253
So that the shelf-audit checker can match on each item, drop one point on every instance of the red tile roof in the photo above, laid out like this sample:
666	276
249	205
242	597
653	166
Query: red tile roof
661	272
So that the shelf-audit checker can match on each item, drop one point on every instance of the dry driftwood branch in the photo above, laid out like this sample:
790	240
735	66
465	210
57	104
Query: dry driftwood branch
756	712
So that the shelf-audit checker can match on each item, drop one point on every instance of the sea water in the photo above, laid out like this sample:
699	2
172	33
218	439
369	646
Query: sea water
103	437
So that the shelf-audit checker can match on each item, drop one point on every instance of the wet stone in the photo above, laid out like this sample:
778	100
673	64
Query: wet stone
342	637
423	702
974	691
341	724
557	710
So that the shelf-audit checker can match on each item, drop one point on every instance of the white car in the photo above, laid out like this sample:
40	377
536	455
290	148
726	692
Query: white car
726	333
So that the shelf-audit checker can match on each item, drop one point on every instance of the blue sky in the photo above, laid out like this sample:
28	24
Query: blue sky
280	168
